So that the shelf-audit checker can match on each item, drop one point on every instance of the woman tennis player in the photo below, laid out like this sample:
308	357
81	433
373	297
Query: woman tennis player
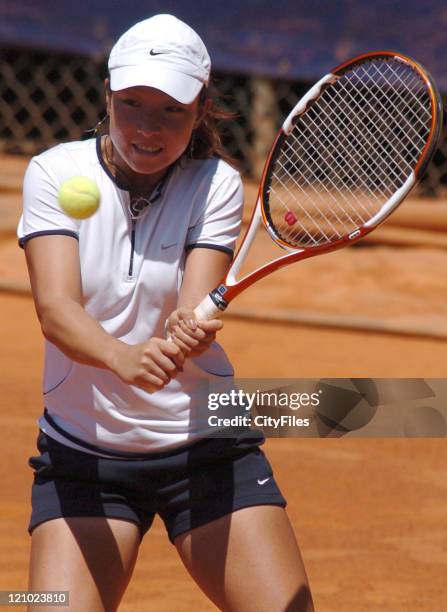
121	438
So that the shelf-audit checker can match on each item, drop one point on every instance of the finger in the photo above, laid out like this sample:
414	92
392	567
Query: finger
187	320
159	370
196	333
156	360
185	338
181	314
167	347
200	349
178	362
170	352
191	323
208	337
150	383
210	326
185	349
187	315
171	363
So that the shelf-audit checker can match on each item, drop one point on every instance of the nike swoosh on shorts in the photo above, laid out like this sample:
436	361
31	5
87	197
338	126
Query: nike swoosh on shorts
262	482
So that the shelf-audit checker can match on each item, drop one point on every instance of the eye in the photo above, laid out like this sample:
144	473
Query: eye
175	109
130	102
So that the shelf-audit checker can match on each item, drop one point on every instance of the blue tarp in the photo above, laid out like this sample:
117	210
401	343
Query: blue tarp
276	38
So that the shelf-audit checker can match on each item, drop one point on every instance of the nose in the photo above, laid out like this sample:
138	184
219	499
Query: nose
148	124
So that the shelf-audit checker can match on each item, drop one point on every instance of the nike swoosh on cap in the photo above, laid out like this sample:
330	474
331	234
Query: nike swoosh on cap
152	52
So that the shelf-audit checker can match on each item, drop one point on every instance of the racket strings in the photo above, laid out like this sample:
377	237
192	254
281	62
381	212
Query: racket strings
408	95
322	193
347	155
370	139
333	153
363	147
402	100
355	157
402	103
322	190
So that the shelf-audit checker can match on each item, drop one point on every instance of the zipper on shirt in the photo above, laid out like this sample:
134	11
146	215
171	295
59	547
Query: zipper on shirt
132	247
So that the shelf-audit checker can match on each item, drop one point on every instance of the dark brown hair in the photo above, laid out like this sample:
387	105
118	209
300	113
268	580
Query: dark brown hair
206	140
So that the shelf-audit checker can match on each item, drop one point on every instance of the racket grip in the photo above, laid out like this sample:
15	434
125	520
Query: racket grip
207	310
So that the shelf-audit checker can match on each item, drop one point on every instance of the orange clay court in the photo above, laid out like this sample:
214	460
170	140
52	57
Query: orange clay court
369	513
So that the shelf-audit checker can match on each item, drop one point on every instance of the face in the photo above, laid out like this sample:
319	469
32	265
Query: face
149	129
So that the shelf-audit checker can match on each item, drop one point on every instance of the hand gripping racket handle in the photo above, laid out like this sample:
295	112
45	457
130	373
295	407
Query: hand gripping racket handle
205	311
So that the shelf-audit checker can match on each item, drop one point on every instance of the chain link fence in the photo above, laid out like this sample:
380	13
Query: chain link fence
50	98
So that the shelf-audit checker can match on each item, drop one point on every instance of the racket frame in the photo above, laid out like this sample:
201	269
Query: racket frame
218	299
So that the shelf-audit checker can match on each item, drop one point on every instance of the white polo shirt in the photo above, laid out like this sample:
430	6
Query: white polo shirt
131	274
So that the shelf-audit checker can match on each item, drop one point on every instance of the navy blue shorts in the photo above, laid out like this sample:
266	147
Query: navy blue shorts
187	487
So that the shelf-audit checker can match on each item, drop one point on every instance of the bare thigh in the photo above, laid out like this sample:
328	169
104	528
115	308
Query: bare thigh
248	561
92	558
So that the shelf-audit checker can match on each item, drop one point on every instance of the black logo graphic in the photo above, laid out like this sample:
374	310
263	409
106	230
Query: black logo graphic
152	52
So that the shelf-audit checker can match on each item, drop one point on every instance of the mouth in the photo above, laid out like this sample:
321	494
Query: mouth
146	150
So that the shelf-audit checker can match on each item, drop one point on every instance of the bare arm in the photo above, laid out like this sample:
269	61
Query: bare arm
54	269
204	268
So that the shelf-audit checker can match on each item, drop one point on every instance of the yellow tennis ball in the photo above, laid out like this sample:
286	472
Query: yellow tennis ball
79	197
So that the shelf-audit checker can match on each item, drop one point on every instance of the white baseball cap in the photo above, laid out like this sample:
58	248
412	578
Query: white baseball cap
164	53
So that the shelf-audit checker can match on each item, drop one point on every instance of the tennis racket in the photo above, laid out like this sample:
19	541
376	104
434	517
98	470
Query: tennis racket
346	156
